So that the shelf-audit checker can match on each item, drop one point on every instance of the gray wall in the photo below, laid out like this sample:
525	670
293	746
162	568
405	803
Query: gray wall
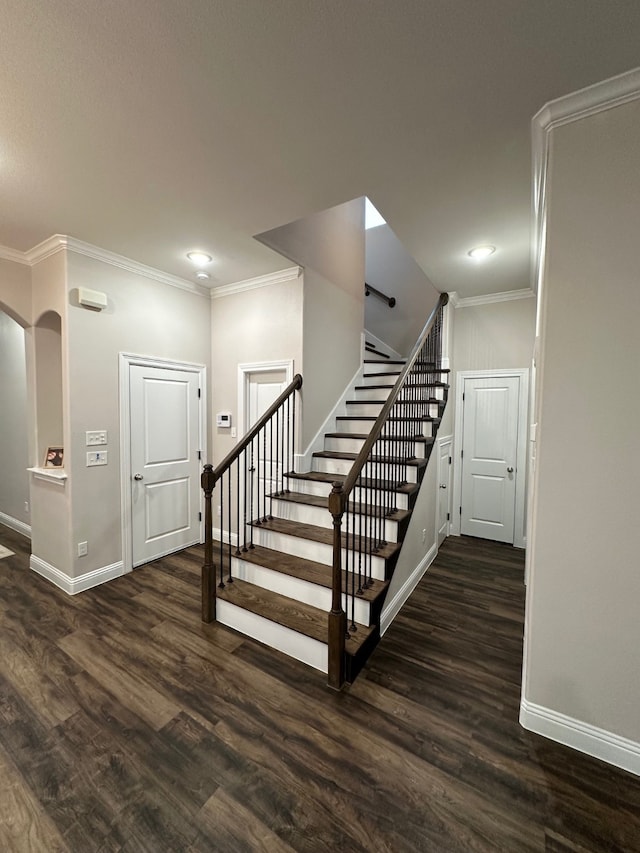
330	247
496	335
145	318
14	453
583	630
392	270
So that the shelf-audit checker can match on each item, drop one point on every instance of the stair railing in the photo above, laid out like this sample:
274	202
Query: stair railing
369	288
246	479
364	503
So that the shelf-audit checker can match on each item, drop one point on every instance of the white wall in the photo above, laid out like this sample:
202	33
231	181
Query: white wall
583	630
495	335
14	428
143	317
392	270
330	247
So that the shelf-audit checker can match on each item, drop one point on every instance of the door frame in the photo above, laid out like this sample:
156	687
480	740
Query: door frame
125	362
243	381
522	373
446	440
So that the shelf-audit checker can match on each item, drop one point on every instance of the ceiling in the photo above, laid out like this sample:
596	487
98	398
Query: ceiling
149	128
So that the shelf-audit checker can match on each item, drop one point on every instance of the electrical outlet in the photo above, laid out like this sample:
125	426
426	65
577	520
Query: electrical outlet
96	457
96	436
82	549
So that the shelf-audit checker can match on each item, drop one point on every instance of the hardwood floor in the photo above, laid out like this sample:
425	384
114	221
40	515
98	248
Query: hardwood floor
127	725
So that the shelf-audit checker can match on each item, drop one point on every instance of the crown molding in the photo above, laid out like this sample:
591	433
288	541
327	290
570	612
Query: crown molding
18	257
590	101
59	242
491	298
289	274
454	299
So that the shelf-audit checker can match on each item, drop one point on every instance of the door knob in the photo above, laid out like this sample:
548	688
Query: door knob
509	471
137	476
443	485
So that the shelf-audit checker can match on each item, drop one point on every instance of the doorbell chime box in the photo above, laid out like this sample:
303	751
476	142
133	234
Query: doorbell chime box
223	419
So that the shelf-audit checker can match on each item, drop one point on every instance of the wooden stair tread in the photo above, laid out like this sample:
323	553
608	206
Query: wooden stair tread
391	460
324	477
376	361
365	435
382	374
434	384
324	535
373	418
298	567
315	500
299	617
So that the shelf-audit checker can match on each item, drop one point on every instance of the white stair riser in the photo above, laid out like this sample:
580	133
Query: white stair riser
328	465
308	549
296	588
351	425
371	393
381	366
311	487
354	445
320	517
298	646
355	409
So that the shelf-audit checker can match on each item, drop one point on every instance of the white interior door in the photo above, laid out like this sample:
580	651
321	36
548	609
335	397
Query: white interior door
489	455
165	439
263	388
444	490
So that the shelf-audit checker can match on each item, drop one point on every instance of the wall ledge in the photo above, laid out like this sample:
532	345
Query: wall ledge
51	475
583	737
72	586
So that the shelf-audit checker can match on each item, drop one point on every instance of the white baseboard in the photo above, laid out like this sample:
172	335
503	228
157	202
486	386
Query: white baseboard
14	524
391	610
303	460
72	586
580	736
215	532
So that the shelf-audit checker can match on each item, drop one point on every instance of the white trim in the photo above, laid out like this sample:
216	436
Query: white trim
125	362
58	242
15	255
589	101
303	461
51	475
585	738
491	298
454	299
257	367
289	274
72	586
392	609
14	524
216	534
519	537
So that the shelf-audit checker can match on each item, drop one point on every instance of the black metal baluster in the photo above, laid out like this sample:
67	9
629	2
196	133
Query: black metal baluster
238	506
221	532
258	517
251	490
245	494
264	473
230	578
271	490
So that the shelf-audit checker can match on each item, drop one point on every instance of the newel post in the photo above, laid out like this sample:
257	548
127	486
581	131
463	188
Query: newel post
207	482
337	616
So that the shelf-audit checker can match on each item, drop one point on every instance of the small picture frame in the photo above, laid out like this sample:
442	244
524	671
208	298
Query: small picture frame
54	457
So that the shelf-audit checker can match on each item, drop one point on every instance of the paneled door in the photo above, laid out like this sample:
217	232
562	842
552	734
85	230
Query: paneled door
165	469
444	490
489	457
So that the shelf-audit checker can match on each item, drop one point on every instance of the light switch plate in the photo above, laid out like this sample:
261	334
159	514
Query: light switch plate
96	436
96	457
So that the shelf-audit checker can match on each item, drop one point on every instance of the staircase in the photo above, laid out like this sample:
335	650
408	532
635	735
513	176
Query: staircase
281	567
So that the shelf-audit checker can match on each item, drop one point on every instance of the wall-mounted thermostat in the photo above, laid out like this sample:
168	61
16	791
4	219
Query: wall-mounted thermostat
223	419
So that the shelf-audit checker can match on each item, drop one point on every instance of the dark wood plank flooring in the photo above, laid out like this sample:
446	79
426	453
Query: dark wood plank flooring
127	725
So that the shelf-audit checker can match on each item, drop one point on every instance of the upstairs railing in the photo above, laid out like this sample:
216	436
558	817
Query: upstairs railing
369	288
365	501
244	482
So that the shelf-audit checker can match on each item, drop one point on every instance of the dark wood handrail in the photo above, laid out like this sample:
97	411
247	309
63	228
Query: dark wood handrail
369	288
374	435
230	458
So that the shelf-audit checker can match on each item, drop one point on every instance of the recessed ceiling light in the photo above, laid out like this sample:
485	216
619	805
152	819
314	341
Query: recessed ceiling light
481	252
202	274
199	258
